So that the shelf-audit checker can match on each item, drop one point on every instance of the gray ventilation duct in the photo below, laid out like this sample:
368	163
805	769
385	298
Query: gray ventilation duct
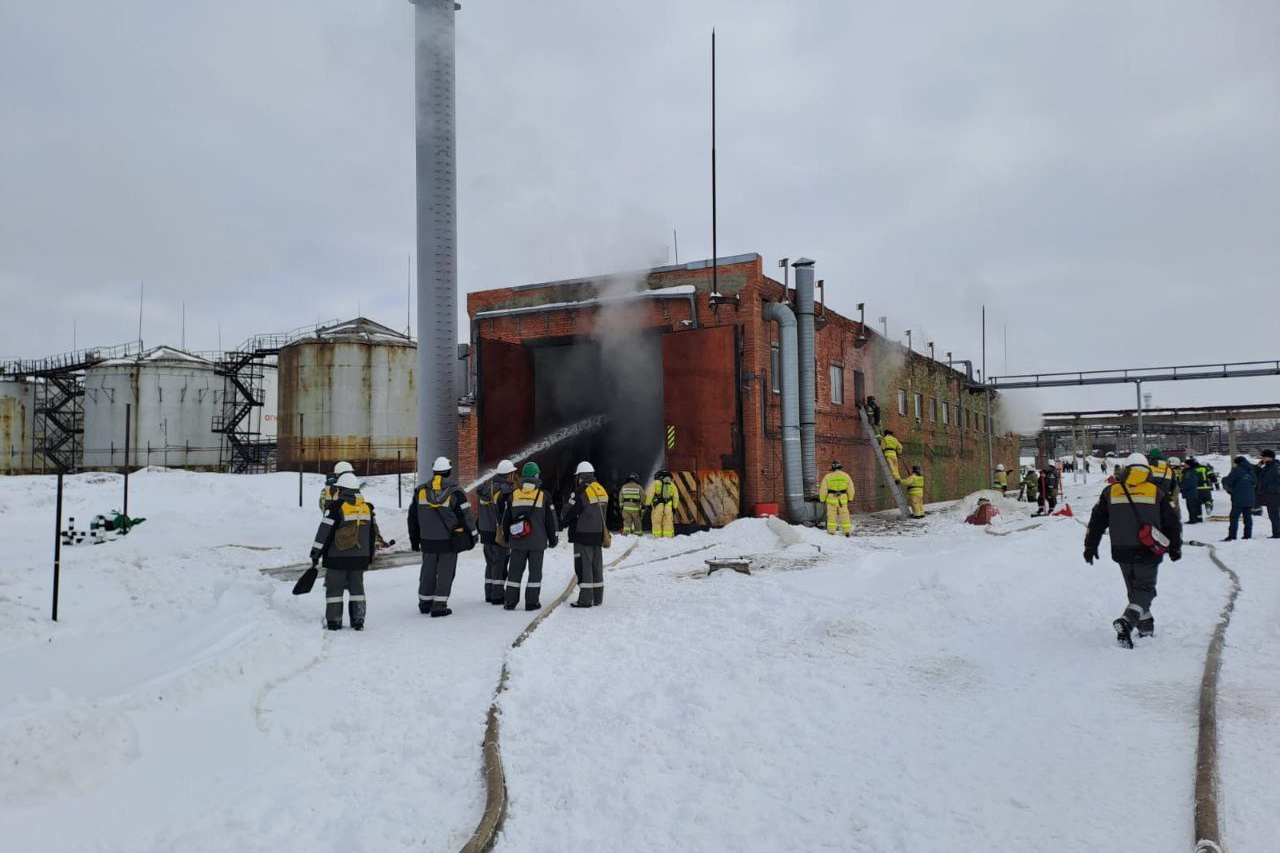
808	375
437	232
776	312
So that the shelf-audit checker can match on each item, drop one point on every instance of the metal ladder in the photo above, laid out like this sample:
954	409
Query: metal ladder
903	507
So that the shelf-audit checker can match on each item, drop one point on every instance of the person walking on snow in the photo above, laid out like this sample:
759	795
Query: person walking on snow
330	490
440	526
1190	486
584	517
1205	490
891	448
494	494
836	491
529	527
1242	484
1175	481
1031	484
1001	480
344	542
1161	473
1268	475
1144	526
631	502
664	497
914	486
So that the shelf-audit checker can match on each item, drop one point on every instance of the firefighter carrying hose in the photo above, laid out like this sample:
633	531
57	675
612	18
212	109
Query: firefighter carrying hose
664	498
891	447
631	502
836	491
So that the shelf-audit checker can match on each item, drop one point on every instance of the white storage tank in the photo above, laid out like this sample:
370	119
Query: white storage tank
175	396
17	425
350	388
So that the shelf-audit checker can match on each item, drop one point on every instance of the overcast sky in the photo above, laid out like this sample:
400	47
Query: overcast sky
1104	176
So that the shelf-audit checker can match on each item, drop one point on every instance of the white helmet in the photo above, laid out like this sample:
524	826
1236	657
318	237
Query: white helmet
1174	460
1000	467
506	466
348	480
343	468
441	465
1136	459
585	468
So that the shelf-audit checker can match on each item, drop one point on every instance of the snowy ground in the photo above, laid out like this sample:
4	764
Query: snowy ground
942	690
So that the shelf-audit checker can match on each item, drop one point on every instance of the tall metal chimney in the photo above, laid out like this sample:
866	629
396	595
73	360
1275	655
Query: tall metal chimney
437	232
808	374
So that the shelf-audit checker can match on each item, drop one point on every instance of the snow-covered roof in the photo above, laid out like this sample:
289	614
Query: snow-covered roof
362	329
156	355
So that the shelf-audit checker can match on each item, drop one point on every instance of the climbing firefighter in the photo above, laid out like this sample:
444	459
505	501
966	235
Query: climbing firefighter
631	502
891	447
664	498
584	517
440	526
914	486
330	490
1144	526
1001	480
873	412
344	542
529	528
493	495
836	491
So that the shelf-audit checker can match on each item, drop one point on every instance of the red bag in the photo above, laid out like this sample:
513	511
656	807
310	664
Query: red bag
1155	541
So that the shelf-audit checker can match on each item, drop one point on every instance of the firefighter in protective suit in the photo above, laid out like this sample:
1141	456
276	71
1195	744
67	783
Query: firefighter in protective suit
529	525
1001	480
345	542
494	494
836	491
440	526
631	502
891	447
664	498
914	486
584	517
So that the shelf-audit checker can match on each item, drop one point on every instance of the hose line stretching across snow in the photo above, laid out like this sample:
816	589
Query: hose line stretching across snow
1207	827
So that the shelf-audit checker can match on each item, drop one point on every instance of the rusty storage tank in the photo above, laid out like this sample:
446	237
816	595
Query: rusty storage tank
174	396
348	392
17	425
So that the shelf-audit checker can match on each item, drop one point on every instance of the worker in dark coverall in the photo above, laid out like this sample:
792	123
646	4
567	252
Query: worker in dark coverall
344	542
583	516
529	527
1144	526
1269	489
493	495
440	526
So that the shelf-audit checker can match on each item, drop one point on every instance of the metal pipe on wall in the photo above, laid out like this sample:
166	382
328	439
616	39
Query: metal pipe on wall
807	365
437	209
793	485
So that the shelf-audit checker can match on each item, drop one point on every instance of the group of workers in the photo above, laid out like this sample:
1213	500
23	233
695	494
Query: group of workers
516	522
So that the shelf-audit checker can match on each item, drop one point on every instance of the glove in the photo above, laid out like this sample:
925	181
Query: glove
1090	555
415	545
1175	556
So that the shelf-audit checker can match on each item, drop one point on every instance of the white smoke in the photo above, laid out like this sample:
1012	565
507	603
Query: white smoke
1019	411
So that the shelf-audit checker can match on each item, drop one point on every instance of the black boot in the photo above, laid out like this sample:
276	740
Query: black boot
358	626
1124	625
333	626
530	606
436	614
424	607
1147	626
579	604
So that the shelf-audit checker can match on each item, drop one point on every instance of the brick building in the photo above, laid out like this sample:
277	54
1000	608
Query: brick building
692	383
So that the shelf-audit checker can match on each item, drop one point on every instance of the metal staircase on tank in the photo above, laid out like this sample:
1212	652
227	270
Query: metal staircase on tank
58	427
903	507
244	450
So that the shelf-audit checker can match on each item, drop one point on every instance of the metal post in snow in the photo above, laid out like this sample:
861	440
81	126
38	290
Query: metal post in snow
57	548
1142	433
301	422
128	422
399	477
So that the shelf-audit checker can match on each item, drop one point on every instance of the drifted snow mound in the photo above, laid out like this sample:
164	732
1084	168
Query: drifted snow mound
1008	507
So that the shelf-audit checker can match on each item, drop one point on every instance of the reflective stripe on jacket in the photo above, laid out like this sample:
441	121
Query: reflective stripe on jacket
890	445
631	496
530	502
664	492
836	488
914	484
584	514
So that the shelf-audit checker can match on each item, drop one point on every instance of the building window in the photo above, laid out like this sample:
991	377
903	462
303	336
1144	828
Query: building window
917	404
946	413
933	410
902	401
775	369
837	384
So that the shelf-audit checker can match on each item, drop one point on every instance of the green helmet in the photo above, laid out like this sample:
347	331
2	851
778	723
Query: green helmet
531	469
1155	453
